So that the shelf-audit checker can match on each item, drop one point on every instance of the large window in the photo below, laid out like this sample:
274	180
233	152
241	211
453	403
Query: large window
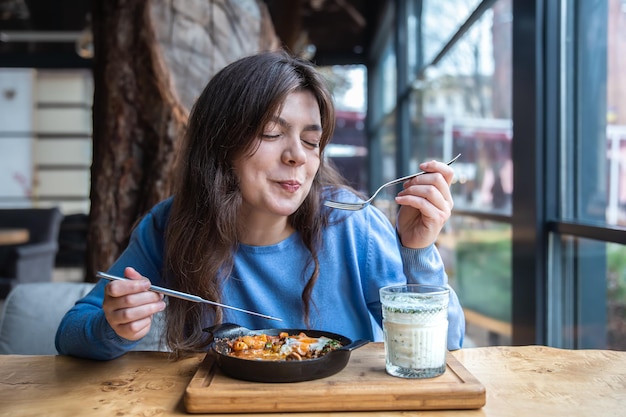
533	94
585	270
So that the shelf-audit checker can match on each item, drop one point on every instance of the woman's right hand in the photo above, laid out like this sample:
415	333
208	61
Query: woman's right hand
129	305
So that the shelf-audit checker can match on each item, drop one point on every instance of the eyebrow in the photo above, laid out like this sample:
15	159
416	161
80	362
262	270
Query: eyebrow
308	128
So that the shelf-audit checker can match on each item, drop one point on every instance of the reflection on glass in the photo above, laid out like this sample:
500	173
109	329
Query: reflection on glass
440	20
602	182
616	167
463	105
389	77
616	296
386	199
593	277
477	255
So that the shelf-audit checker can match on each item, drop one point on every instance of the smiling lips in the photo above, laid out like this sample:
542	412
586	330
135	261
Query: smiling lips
291	186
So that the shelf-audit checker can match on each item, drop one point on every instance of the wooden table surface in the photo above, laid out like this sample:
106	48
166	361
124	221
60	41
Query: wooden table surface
520	381
13	236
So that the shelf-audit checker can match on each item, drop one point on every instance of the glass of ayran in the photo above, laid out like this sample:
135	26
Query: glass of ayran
415	325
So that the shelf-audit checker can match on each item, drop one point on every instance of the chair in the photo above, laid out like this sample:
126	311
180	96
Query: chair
32	313
32	261
73	241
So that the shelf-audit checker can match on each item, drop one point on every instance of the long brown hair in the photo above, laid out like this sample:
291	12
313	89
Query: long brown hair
201	237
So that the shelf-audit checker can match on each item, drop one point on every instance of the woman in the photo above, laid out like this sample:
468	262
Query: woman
247	226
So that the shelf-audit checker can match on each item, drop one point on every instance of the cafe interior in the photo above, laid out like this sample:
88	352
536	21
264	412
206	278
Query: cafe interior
529	94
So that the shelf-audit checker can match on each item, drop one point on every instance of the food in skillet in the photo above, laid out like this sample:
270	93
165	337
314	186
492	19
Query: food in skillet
282	347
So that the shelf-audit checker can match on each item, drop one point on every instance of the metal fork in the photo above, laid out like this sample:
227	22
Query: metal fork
363	204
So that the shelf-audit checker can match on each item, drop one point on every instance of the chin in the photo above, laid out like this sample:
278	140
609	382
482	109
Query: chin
286	209
285	212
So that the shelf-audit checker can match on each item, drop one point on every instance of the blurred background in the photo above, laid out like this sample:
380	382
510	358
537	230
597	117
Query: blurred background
94	95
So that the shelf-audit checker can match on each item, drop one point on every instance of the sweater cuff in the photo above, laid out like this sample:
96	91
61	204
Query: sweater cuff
419	259
424	265
110	336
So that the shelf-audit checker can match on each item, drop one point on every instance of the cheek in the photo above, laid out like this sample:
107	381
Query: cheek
313	165
246	168
245	178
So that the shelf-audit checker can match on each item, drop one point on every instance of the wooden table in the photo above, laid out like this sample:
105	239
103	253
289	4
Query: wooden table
520	381
13	236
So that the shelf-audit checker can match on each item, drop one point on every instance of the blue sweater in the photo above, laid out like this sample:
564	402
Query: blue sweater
358	256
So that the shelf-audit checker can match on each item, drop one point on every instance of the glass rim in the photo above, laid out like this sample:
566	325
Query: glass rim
436	289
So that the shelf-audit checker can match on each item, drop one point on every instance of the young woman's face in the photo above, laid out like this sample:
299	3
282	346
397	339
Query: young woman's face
278	176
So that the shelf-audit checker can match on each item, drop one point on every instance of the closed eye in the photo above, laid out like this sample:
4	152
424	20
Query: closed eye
270	136
311	144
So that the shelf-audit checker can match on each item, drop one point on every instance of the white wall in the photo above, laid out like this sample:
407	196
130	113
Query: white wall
45	138
16	136
64	131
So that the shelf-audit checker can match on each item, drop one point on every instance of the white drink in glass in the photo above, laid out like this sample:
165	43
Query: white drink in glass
415	325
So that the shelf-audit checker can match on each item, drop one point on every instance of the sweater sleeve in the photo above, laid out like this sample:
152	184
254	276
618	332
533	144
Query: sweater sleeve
424	266
84	330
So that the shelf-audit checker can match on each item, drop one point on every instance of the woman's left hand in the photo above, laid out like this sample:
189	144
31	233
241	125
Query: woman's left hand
426	204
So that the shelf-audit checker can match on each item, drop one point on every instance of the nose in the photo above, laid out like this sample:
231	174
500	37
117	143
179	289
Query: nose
294	153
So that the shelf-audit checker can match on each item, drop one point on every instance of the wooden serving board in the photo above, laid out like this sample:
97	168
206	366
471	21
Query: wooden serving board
363	385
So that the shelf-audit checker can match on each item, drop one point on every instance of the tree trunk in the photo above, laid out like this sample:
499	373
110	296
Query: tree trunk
147	55
137	121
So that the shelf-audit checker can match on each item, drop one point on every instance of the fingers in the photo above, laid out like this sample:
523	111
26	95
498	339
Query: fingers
429	193
426	204
435	166
135	284
129	305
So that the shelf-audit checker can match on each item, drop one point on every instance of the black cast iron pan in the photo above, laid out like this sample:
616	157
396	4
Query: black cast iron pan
278	371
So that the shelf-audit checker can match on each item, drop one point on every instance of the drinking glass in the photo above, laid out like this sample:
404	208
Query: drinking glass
415	326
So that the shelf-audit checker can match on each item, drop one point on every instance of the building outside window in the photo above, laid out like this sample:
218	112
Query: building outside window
532	96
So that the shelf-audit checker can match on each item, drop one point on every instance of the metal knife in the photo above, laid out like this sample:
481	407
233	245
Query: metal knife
185	296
